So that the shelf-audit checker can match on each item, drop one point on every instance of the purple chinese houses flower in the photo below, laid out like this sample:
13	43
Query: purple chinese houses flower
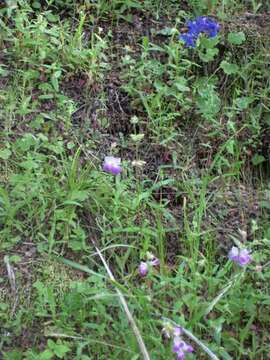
177	331
240	256
180	347
112	165
143	268
154	262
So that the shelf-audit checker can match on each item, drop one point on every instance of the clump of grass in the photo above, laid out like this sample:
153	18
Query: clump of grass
175	189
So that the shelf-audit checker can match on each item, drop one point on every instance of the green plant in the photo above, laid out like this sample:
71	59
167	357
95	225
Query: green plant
81	81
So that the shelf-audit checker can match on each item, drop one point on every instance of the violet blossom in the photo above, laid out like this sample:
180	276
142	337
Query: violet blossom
240	256
112	165
154	262
144	267
177	331
179	346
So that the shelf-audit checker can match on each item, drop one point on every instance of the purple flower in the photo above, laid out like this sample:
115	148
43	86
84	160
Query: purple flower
180	355
202	24
207	25
233	253
189	40
244	257
143	268
155	261
240	256
177	331
180	347
193	27
112	165
178	344
189	349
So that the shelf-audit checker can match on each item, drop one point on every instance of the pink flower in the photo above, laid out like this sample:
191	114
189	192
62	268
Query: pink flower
112	165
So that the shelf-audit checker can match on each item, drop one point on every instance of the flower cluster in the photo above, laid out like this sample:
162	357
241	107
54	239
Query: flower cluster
240	256
112	165
145	266
202	24
180	347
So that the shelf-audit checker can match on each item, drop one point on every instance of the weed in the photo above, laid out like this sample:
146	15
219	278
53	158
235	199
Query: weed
153	164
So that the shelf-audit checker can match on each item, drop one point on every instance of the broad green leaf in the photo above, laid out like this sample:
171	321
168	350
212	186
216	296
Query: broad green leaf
137	137
54	79
13	355
46	355
229	68
79	195
208	55
5	154
60	350
180	84
208	101
36	5
230	146
236	38
265	204
51	17
167	31
243	102
24	106
29	164
257	159
209	43
3	72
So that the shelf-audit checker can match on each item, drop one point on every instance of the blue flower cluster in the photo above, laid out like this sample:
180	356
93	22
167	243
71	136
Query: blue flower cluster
202	24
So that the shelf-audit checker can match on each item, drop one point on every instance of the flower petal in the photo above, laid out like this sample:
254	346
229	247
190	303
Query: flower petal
233	253
143	268
112	165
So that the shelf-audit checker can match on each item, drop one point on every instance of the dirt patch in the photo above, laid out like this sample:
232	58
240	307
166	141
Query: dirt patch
233	209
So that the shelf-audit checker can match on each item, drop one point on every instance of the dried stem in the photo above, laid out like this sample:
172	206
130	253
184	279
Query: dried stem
11	275
126	309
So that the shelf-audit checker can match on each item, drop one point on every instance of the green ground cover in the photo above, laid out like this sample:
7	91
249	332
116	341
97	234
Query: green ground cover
81	80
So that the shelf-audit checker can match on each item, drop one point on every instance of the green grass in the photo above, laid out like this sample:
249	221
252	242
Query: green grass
81	80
